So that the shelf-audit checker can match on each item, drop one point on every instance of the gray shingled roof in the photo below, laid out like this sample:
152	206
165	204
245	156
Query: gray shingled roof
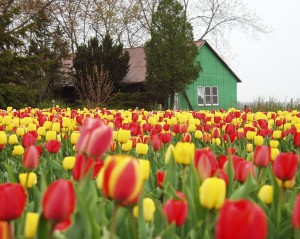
137	62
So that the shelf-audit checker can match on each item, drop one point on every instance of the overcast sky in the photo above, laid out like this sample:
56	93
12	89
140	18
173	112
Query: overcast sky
270	65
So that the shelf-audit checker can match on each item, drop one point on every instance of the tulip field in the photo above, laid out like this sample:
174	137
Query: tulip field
99	173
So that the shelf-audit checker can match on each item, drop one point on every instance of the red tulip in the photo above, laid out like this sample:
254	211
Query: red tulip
262	156
296	213
241	220
297	139
31	158
176	210
166	137
59	201
160	177
285	166
244	168
205	163
83	165
28	139
156	142
95	138
12	201
52	146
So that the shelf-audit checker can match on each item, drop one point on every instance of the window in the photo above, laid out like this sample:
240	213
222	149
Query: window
208	95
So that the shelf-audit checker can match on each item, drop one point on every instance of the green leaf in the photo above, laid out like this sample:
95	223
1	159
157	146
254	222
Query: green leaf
43	229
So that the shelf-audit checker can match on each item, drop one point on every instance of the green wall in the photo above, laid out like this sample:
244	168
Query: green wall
214	73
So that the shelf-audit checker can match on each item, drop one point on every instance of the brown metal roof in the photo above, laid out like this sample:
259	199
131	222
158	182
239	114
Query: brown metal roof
137	64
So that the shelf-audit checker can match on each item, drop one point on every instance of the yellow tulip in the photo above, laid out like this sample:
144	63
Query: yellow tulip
123	135
145	168
55	127
3	138
258	140
265	194
20	131
274	143
28	180
148	209
50	135
69	162
274	153
127	146
13	139
18	150
169	153
286	184
277	134
212	193
184	153
74	137
31	222
41	131
142	149
198	134
250	135
249	148
31	127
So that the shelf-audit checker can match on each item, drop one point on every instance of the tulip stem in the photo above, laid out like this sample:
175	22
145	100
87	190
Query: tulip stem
113	222
10	230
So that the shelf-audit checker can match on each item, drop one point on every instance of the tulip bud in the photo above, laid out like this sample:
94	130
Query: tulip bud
184	153
285	166
31	158
141	149
13	139
69	162
160	177
31	222
119	171
277	134
148	209
3	138
18	150
59	201
53	146
212	193
95	138
265	194
241	219
55	127
27	180
123	135
145	168
274	143
156	142
74	137
13	201
205	163
262	156
50	135
176	210
249	147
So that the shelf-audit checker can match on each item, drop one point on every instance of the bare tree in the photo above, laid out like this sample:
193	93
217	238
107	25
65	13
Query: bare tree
212	19
96	90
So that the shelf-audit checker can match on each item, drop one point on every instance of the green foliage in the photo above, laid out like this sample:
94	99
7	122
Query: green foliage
171	52
17	96
131	101
105	56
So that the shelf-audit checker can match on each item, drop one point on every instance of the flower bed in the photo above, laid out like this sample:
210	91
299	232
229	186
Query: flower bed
98	173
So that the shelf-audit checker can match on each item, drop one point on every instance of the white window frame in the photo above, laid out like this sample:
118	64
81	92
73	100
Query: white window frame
201	92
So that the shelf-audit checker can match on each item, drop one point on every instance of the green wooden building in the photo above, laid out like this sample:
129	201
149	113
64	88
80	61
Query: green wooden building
215	88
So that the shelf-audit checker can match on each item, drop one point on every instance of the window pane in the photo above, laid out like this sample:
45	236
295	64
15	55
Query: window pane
208	100
215	100
207	90
215	90
200	92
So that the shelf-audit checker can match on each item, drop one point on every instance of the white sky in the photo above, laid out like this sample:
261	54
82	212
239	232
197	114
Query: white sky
270	65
